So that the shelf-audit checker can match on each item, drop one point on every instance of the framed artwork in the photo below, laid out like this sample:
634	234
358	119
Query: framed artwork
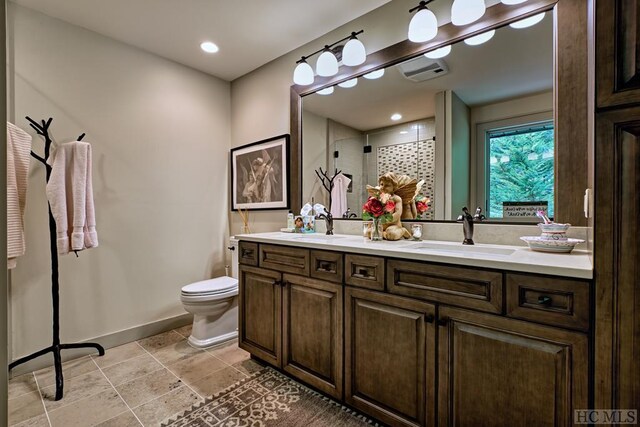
260	175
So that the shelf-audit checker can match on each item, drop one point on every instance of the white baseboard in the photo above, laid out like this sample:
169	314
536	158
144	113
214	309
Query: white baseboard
107	341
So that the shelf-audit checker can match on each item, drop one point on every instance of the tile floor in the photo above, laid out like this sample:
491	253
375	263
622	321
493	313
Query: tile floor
140	383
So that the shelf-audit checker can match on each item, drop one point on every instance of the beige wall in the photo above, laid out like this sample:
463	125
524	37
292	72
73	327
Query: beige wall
4	317
160	136
260	99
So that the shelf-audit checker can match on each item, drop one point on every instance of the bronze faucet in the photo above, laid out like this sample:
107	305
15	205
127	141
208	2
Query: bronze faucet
467	224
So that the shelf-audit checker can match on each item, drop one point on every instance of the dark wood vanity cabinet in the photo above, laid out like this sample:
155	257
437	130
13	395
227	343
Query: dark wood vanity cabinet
291	321
421	344
390	357
495	371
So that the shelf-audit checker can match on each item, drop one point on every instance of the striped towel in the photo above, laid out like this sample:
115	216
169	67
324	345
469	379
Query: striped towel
18	157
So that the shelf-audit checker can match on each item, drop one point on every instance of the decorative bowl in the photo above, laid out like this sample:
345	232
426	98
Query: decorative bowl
554	227
542	244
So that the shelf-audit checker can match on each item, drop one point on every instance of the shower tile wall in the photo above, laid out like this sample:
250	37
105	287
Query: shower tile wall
416	159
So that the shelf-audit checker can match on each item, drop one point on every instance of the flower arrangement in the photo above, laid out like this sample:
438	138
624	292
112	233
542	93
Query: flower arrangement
379	207
422	205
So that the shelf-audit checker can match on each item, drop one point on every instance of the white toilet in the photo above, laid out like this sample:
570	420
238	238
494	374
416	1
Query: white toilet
214	305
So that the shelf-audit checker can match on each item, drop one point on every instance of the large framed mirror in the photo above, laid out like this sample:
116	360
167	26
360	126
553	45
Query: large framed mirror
489	125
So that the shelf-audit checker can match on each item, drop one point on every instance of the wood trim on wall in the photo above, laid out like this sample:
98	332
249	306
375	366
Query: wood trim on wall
572	78
4	291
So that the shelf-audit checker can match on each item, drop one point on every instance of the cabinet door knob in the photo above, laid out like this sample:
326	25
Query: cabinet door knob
429	318
442	322
544	300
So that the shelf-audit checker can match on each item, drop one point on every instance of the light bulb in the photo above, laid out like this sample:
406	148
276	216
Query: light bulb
527	22
510	2
349	83
209	47
480	38
303	74
396	116
327	91
327	64
423	26
374	74
353	53
465	12
439	53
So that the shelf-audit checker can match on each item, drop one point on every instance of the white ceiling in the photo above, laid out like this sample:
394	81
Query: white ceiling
512	64
250	33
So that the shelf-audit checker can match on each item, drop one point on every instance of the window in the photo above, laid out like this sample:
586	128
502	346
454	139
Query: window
520	162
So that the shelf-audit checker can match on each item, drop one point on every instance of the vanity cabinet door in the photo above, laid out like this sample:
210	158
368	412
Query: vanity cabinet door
390	357
495	371
260	315
312	332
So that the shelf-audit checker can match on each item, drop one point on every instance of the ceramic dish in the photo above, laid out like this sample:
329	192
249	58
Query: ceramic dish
541	244
554	227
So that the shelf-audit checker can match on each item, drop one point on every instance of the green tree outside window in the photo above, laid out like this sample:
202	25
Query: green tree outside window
520	167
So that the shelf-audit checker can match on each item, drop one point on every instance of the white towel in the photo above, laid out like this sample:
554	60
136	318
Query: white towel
339	195
70	194
18	157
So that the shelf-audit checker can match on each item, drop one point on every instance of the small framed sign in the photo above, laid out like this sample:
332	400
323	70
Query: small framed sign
515	210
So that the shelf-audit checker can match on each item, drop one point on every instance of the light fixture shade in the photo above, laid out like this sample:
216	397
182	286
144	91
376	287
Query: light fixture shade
349	83
465	12
353	53
510	2
528	22
303	74
439	53
396	116
374	74
480	38
423	26
326	91
327	64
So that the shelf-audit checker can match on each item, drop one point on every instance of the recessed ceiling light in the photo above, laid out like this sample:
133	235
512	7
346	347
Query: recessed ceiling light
395	117
209	47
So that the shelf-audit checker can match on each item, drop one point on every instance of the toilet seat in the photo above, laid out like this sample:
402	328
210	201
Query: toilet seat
218	288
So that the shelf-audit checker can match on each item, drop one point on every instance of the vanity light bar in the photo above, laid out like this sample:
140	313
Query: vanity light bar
354	53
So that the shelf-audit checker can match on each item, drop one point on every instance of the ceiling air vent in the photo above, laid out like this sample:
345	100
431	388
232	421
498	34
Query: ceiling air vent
422	68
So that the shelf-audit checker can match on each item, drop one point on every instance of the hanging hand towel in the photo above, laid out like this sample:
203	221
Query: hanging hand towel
70	194
339	195
18	157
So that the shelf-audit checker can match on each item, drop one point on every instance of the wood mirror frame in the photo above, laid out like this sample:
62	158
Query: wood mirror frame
570	92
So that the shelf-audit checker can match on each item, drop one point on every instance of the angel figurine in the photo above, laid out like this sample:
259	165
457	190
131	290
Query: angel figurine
387	187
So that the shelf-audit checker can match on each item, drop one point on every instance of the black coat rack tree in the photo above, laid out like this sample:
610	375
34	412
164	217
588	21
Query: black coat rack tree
43	130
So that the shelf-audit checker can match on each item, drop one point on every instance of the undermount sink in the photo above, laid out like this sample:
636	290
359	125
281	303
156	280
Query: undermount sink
459	248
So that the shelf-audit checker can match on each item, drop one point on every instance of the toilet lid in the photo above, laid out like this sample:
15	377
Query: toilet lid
211	286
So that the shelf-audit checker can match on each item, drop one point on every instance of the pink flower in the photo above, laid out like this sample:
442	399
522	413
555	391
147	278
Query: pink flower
390	206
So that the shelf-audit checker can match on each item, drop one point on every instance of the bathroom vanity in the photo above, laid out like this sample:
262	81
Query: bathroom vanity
422	333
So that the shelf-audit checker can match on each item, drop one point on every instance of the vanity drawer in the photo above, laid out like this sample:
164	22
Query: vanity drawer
285	258
327	266
248	253
464	287
364	271
550	300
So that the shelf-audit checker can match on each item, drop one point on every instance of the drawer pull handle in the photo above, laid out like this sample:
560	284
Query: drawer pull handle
324	266
247	253
544	300
429	318
363	272
442	322
279	283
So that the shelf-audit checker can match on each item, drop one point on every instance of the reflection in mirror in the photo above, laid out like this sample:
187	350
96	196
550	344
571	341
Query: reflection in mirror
476	125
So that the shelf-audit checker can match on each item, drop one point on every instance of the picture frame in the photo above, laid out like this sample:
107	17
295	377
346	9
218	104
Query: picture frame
260	175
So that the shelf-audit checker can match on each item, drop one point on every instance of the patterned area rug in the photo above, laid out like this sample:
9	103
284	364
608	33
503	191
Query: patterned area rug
269	398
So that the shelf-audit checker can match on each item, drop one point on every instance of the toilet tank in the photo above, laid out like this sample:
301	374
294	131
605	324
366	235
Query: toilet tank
233	248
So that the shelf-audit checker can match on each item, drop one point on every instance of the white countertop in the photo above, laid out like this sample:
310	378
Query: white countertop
512	258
